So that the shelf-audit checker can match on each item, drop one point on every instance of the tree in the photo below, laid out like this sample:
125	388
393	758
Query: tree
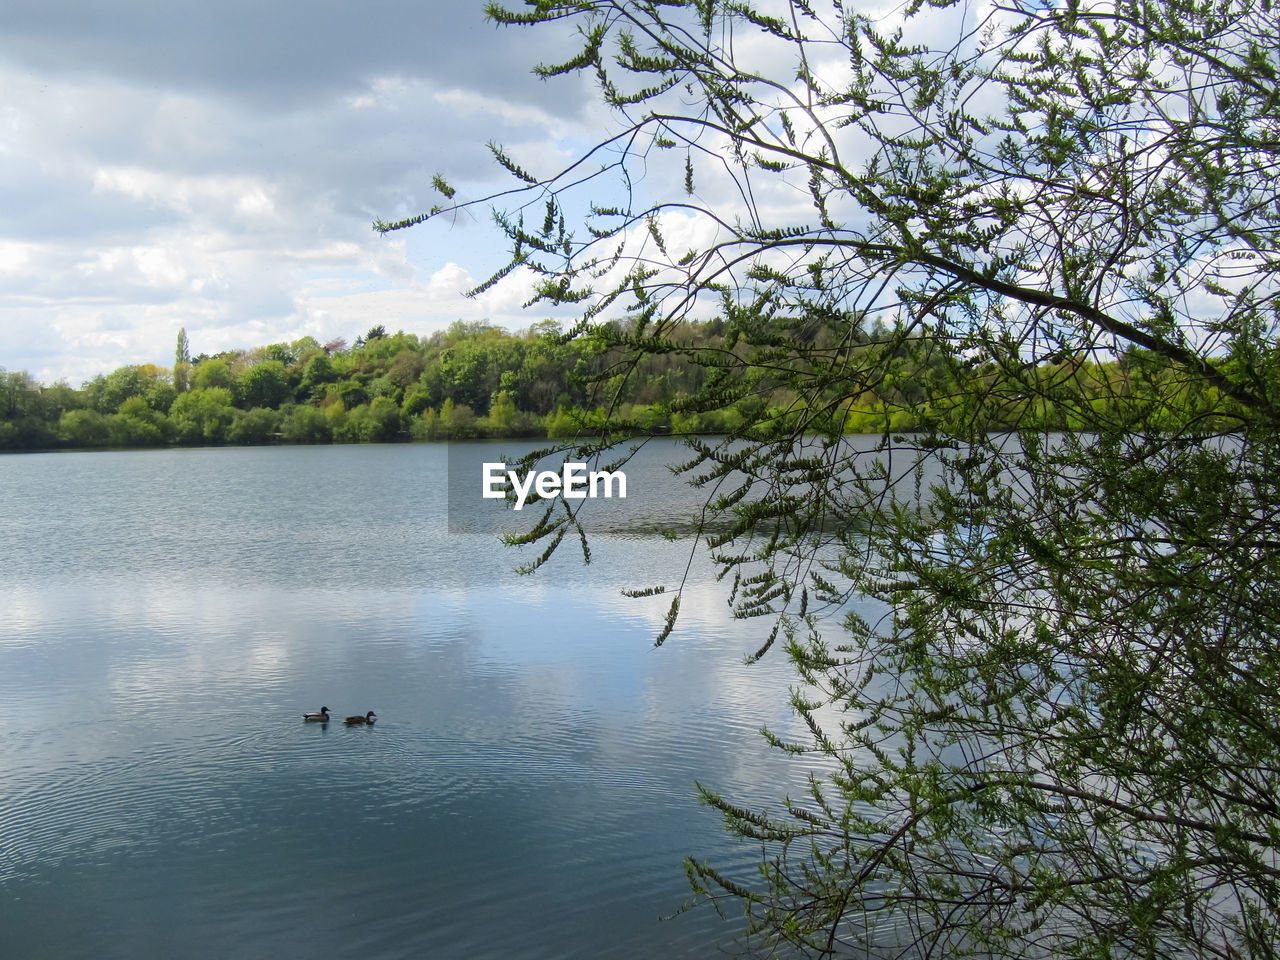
304	424
504	419
318	372
215	373
123	383
25	412
84	428
281	352
182	362
456	421
136	424
376	422
202	414
265	384
254	426
406	368
17	393
160	396
1059	732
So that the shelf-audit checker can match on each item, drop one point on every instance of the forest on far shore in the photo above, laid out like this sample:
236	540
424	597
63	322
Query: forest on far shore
477	380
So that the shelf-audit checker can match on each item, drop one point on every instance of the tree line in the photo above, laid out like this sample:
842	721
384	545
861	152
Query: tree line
477	380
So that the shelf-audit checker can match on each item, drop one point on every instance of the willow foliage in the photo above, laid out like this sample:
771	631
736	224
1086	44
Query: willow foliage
1061	737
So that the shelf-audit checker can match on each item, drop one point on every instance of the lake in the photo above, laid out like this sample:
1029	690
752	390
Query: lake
528	789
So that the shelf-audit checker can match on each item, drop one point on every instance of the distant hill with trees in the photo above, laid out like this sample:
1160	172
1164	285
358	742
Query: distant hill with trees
476	380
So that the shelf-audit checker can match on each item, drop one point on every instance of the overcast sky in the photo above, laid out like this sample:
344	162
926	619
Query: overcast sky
217	166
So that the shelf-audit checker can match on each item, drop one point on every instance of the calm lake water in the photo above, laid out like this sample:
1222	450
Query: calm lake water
527	791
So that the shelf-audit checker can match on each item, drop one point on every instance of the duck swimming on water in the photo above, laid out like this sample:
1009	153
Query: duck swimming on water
367	718
321	717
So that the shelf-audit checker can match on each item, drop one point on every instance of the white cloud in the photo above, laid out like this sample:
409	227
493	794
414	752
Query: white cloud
14	257
211	197
153	175
469	102
448	280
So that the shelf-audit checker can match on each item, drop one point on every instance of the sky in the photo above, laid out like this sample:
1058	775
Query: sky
217	167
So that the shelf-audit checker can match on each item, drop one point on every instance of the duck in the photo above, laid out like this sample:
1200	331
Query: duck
321	717
367	718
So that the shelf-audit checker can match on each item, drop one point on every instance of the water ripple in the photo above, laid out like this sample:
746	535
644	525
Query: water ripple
528	789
